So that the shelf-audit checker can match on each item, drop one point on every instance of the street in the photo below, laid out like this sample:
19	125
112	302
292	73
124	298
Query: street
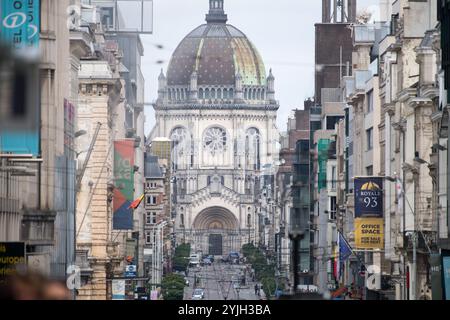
218	282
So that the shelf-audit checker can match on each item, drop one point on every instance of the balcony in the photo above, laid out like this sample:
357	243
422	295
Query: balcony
38	227
361	78
349	87
363	34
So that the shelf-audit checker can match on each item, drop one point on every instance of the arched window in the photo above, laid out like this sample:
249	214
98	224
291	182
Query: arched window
207	94
253	149
259	94
201	94
182	219
219	93
225	93
249	220
215	140
254	94
231	94
213	93
245	94
181	147
263	95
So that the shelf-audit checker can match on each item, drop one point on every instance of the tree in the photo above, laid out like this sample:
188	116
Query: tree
173	287
181	257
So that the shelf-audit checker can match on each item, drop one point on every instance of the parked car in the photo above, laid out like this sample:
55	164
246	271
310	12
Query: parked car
211	258
194	260
207	262
233	258
199	294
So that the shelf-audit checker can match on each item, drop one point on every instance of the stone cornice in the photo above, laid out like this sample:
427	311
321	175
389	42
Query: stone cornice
436	116
406	94
196	106
429	91
420	102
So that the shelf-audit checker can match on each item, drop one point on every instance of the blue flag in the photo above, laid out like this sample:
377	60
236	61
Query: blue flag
345	251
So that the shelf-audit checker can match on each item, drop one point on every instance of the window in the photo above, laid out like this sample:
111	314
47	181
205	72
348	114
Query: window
252	149
369	171
148	237
333	208
150	218
370	101
151	200
369	135
333	178
215	140
332	121
152	185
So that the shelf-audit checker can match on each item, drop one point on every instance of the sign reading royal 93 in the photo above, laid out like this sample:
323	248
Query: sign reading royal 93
369	197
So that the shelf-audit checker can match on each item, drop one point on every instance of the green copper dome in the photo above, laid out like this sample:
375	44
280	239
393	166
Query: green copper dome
217	52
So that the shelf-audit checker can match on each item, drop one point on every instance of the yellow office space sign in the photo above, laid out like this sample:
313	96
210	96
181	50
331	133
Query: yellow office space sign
369	233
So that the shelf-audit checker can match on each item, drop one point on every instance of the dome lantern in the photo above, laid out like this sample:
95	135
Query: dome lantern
216	13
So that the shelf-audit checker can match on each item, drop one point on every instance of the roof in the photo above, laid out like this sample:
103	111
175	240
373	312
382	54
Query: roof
217	52
152	167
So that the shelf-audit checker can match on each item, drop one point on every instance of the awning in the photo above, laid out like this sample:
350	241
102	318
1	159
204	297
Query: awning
339	292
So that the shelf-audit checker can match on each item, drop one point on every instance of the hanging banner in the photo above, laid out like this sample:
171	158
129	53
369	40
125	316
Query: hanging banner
322	149
124	184
118	289
20	23
369	233
19	30
369	197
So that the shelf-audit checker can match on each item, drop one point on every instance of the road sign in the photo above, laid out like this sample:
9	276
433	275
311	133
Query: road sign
130	271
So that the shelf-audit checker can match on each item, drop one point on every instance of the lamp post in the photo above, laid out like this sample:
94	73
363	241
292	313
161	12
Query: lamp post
414	234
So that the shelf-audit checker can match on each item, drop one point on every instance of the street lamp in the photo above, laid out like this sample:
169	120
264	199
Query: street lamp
439	147
414	234
80	133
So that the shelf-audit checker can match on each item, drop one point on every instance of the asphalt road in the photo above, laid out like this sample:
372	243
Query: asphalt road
219	283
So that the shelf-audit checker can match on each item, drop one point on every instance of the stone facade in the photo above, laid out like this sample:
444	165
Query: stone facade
223	137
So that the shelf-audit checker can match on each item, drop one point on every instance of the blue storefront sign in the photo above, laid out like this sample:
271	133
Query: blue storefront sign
19	30
130	271
369	197
20	23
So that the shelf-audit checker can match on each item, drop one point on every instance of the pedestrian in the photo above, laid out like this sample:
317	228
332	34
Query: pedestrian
256	289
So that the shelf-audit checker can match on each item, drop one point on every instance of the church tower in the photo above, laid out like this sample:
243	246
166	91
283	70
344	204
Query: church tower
219	112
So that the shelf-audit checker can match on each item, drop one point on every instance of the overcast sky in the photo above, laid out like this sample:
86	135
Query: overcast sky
282	31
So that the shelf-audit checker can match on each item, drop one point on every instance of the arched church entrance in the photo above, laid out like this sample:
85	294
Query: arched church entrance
215	244
216	231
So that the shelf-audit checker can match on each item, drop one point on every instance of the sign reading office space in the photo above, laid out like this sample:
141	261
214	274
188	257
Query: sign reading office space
369	197
369	233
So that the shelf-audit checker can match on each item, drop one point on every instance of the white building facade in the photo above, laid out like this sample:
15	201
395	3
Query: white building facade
218	108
